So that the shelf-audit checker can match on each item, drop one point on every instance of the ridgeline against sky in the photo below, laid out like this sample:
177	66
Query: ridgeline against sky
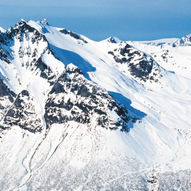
98	19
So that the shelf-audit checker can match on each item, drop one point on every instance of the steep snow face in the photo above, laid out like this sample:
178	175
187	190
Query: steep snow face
83	115
27	62
2	30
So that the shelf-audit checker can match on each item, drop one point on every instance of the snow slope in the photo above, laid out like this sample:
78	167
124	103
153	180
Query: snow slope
71	149
2	30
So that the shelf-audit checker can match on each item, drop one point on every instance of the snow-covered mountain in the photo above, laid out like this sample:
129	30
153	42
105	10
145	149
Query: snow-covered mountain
76	114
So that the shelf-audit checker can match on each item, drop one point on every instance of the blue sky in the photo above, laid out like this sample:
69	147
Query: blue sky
99	19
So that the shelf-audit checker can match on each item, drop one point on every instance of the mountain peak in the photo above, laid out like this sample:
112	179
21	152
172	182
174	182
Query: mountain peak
113	39
21	22
184	41
44	21
77	114
19	25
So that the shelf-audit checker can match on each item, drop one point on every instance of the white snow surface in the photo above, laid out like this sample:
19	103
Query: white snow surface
161	140
2	30
159	42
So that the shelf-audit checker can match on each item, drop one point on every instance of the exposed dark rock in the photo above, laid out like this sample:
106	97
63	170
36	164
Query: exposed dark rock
71	98
184	41
72	34
7	97
30	58
140	65
21	29
23	114
45	71
74	98
112	40
4	55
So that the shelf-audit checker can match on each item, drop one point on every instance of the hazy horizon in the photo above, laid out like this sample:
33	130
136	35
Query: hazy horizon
125	19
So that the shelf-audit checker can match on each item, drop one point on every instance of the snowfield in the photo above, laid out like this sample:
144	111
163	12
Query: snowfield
76	114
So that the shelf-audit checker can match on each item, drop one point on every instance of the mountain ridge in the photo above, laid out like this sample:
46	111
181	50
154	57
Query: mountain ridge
87	115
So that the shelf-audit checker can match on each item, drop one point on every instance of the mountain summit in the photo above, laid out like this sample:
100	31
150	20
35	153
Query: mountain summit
77	114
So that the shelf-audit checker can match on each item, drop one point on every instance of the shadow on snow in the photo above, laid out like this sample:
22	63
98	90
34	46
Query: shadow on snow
68	57
133	113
